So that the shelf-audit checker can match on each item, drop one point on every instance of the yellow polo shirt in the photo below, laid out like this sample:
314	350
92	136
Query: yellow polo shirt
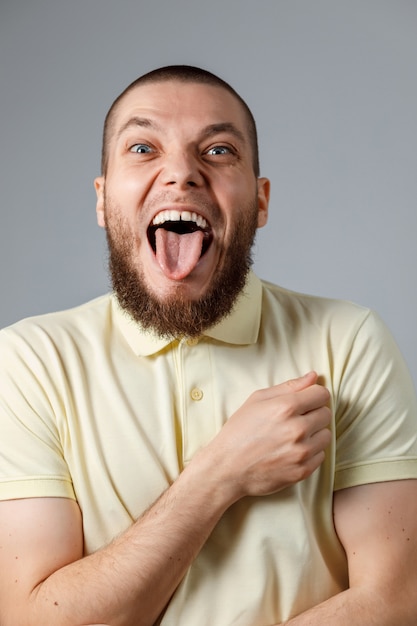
93	408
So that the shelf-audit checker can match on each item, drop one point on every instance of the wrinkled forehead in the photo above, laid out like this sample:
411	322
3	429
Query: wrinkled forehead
174	102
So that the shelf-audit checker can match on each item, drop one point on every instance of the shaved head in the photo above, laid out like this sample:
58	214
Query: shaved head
181	74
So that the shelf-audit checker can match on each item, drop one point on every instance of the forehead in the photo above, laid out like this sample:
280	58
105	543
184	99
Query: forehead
175	102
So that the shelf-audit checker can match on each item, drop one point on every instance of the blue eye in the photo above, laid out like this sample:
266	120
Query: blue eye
141	148
218	150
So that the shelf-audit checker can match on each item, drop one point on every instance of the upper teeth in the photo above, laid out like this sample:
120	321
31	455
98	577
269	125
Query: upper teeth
176	216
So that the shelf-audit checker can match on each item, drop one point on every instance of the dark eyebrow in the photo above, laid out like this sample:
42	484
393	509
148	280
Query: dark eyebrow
207	132
223	127
134	122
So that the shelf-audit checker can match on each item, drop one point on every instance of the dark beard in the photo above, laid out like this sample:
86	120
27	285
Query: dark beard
177	316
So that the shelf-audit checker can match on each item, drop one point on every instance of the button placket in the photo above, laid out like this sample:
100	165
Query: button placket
198	418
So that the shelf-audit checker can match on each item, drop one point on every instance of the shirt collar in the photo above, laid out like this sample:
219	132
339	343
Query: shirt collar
240	327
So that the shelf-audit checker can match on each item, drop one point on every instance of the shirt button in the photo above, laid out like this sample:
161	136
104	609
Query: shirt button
196	394
192	341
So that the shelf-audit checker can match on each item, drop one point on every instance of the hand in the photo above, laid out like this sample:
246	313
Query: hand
276	438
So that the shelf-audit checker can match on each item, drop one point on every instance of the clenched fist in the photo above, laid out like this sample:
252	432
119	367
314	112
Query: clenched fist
276	438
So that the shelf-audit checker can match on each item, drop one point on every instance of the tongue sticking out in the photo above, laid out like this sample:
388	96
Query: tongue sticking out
177	254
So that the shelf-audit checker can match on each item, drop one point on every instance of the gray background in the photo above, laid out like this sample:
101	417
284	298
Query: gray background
332	83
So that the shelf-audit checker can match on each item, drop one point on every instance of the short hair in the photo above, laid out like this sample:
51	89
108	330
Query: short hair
185	74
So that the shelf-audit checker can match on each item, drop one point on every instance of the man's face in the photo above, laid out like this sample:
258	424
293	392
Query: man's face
180	200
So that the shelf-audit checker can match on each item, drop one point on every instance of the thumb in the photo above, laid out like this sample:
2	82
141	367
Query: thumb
297	384
290	386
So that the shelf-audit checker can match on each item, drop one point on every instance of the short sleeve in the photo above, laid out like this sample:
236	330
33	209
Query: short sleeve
31	455
376	411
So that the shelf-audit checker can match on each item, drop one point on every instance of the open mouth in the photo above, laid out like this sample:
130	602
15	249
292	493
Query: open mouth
181	223
179	239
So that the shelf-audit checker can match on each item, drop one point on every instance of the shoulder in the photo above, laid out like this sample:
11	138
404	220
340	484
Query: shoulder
85	312
42	331
300	310
342	330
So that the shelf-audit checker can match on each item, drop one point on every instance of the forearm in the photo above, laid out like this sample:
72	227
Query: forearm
377	526
359	607
129	582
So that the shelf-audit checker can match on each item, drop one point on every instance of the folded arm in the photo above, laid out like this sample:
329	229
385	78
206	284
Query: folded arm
377	525
45	579
274	440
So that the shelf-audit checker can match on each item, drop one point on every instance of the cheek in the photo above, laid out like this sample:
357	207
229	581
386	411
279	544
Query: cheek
240	199
126	187
233	196
124	198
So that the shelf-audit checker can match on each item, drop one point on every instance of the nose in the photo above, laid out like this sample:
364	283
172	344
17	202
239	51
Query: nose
182	169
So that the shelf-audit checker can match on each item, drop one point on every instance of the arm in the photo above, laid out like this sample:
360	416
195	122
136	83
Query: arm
275	439
377	525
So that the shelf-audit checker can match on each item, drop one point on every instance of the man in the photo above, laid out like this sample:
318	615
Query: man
202	447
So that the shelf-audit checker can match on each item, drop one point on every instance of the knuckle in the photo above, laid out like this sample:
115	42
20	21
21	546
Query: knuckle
324	416
298	430
292	383
327	412
258	395
325	393
327	437
322	393
302	454
286	407
301	472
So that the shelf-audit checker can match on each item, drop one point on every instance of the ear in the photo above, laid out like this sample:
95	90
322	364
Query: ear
99	183
264	187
